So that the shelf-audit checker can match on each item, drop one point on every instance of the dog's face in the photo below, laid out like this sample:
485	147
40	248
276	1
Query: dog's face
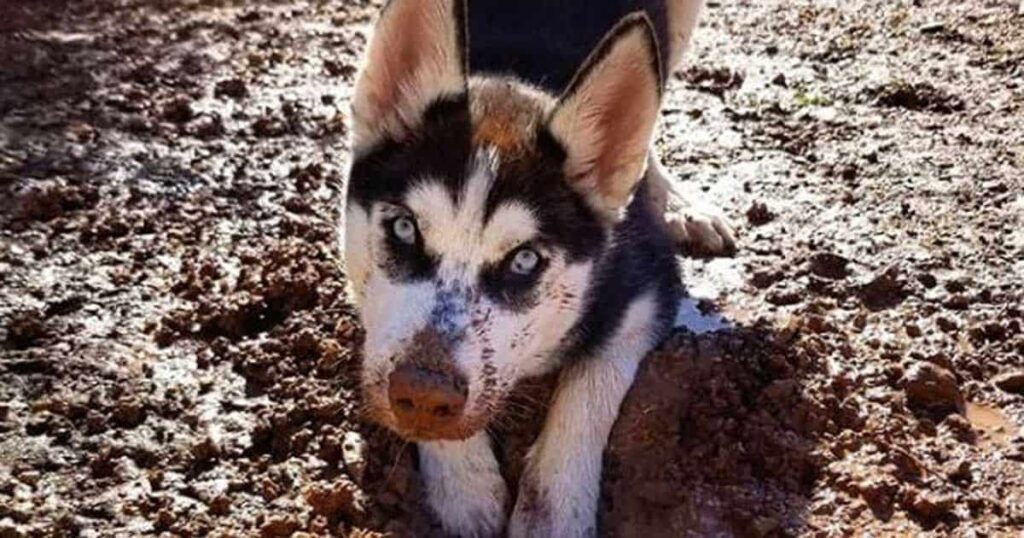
477	212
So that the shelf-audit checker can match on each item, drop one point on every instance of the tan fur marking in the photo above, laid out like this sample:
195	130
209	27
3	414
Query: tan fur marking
505	115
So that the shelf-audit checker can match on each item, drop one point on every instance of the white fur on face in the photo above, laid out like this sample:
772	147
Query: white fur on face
497	345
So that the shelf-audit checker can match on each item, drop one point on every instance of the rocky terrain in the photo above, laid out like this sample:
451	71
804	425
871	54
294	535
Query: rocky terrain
177	355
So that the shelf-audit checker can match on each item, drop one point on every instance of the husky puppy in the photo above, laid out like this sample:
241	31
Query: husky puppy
504	220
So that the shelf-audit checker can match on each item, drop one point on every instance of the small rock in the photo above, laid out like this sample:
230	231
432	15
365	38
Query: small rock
828	265
960	428
207	126
268	127
279	526
234	88
25	329
927	280
958	301
335	499
1012	382
764	278
932	387
178	111
758	214
879	493
908	465
220	505
947	325
129	413
206	450
338	69
783	297
987	332
932	27
931	505
885	290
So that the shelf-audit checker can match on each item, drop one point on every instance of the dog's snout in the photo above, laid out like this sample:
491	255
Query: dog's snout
425	401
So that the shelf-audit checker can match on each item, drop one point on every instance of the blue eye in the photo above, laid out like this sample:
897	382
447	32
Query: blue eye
525	261
404	229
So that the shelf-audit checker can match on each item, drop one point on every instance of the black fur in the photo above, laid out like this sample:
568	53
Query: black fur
440	148
544	42
641	258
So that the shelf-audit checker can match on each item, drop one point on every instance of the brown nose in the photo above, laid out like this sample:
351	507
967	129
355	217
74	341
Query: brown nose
425	401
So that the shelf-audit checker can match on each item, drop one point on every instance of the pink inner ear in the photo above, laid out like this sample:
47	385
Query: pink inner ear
606	120
413	57
623	123
397	56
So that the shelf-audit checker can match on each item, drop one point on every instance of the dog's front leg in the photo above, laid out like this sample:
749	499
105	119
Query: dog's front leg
464	486
560	488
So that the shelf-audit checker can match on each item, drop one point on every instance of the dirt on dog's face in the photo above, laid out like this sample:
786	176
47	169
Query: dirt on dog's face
469	257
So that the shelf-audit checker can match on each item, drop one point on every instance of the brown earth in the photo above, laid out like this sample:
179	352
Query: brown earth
177	355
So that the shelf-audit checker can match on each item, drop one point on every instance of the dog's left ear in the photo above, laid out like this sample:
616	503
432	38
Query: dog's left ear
606	117
417	55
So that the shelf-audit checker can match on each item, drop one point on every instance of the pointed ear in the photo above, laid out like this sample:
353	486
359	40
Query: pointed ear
417	54
606	117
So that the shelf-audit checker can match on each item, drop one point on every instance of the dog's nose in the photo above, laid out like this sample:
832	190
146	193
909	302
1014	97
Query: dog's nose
424	400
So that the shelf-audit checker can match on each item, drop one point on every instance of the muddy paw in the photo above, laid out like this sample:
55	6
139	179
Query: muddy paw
701	230
536	514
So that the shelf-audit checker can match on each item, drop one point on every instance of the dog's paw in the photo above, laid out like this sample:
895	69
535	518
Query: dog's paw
536	513
464	487
699	228
473	516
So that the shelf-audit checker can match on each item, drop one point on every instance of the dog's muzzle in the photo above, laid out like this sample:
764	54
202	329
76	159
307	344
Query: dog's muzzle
426	392
426	403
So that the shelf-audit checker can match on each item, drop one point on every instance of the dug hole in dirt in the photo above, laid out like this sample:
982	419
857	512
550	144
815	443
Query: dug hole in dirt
177	355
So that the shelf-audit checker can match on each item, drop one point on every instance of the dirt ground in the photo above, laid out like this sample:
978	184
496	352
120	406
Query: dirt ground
177	356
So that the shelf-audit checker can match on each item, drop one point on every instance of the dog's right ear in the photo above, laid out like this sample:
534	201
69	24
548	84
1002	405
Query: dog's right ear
417	55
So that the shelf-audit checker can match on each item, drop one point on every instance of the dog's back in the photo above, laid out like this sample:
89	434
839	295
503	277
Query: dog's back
545	41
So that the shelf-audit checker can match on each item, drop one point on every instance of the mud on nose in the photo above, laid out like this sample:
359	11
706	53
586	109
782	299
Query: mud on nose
425	401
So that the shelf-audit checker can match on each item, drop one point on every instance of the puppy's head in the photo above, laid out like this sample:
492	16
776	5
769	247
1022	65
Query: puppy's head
478	209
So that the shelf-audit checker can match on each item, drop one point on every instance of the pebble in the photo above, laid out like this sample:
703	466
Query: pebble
759	214
932	387
885	290
1012	382
828	265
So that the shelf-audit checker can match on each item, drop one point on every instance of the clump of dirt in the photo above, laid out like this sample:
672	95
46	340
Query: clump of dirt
915	96
46	199
713	80
25	329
